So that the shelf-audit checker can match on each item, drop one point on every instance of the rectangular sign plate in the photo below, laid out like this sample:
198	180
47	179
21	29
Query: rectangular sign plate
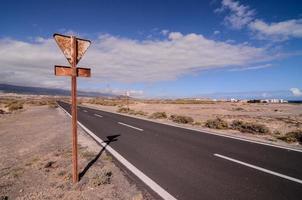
67	71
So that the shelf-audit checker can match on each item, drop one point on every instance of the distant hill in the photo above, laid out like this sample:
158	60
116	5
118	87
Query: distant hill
47	91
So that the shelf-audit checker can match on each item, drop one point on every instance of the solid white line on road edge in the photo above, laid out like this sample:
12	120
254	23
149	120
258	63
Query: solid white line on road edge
260	169
85	110
148	181
139	129
97	115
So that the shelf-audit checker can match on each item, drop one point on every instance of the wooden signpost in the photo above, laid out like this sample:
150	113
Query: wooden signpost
73	48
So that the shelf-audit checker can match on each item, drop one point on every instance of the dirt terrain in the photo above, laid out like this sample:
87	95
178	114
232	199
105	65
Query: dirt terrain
278	118
35	160
281	117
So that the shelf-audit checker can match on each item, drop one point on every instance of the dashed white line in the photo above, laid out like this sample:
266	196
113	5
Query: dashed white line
97	115
139	129
260	169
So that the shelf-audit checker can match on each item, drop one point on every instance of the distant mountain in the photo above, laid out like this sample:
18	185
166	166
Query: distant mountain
47	91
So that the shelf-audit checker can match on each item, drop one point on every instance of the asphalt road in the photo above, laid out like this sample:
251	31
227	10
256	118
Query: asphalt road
193	165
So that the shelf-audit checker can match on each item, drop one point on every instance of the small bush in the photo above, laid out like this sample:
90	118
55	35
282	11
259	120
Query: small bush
15	105
158	115
123	110
103	178
61	173
197	123
293	136
133	112
52	104
217	123
276	133
249	127
105	102
87	155
238	109
181	119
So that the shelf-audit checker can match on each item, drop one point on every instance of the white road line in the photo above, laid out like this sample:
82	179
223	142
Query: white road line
148	181
139	129
260	169
85	110
97	115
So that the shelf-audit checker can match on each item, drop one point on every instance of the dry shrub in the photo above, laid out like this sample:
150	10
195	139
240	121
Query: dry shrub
292	136
197	123
105	102
159	115
102	178
123	110
181	119
52	104
15	105
140	112
217	123
250	127
238	109
9	100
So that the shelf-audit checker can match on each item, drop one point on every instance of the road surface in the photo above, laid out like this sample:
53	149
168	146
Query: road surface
194	165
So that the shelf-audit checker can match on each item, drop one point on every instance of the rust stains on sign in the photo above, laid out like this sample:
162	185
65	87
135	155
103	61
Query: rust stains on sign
64	42
67	71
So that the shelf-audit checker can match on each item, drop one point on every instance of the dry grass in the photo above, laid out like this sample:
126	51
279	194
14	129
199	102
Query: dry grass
158	115
216	124
123	110
293	136
102	178
178	101
40	169
131	112
139	112
250	127
14	105
181	119
105	102
51	102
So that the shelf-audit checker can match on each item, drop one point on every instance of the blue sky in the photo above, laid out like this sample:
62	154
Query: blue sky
217	49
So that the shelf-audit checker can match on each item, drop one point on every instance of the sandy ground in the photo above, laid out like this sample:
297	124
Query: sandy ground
35	161
277	117
281	117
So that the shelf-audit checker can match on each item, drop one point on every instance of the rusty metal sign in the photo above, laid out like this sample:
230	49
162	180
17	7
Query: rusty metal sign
64	43
67	71
73	48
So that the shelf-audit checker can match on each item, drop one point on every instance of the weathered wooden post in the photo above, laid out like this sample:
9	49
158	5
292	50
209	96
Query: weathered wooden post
73	48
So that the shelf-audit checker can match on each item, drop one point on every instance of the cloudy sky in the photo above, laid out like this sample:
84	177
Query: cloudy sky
215	48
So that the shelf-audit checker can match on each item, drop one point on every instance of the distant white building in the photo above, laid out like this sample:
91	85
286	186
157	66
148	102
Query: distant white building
274	101
233	100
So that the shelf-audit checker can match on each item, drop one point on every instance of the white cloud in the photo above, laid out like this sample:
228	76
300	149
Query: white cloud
277	31
164	32
216	32
175	35
123	60
296	92
239	15
252	67
117	91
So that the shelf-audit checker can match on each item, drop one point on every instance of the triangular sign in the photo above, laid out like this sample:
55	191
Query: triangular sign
64	42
